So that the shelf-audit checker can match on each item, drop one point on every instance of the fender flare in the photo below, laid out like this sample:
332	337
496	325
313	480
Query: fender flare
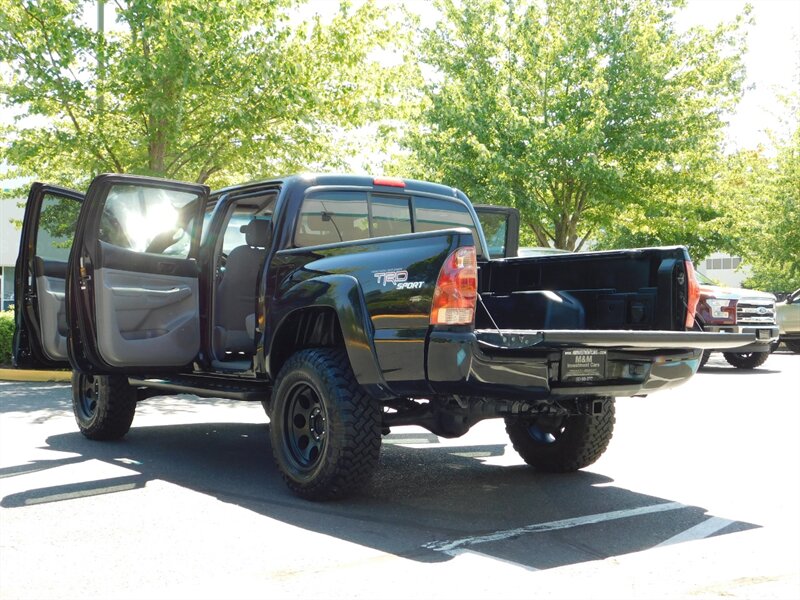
343	294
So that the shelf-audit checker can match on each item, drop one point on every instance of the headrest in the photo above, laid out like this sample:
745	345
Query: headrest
256	233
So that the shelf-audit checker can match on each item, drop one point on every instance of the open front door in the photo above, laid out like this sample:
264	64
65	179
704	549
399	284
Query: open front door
40	336
500	226
133	281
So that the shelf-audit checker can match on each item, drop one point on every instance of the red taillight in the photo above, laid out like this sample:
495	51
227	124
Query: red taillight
389	181
456	289
694	294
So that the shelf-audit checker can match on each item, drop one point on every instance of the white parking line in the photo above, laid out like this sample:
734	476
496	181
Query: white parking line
698	532
450	545
472	558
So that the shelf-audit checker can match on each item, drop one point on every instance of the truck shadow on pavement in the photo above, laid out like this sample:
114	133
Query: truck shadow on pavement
427	503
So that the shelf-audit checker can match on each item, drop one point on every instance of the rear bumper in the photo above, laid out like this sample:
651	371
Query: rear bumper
529	364
766	336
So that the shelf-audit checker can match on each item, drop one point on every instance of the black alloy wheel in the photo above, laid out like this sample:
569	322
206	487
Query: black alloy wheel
324	428
305	423
103	405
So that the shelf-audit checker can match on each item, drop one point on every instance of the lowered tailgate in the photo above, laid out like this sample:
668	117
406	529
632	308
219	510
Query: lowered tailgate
610	339
530	364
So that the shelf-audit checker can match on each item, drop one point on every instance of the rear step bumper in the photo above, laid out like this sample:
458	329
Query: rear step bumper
542	364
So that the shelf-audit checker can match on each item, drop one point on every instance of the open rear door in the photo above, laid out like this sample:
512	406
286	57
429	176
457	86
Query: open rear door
48	227
133	297
500	226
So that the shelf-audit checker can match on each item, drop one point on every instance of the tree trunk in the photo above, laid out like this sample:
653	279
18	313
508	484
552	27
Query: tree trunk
157	147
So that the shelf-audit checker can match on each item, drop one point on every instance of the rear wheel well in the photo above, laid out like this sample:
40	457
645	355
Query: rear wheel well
314	327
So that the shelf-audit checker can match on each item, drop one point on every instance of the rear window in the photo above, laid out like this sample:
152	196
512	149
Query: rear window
431	214
391	215
327	217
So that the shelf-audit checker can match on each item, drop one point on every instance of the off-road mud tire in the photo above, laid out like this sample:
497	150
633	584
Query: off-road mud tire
746	360
103	405
324	428
577	443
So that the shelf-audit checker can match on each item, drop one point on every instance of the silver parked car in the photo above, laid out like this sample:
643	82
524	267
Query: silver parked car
789	320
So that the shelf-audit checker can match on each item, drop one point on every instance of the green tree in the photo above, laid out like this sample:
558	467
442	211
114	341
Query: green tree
776	259
578	114
761	196
188	89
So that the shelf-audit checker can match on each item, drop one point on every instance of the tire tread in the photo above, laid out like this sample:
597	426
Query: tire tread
585	439
116	406
349	465
749	360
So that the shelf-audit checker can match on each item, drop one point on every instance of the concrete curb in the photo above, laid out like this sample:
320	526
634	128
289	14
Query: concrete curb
30	375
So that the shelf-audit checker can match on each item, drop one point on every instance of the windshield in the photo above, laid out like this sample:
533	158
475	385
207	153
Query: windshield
704	279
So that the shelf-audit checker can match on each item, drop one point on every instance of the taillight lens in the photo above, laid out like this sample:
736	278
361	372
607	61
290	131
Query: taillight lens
694	294
456	289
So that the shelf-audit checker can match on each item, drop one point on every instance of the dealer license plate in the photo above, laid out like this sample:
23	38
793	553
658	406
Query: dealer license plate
583	364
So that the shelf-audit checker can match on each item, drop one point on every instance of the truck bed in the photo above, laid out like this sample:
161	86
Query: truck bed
640	289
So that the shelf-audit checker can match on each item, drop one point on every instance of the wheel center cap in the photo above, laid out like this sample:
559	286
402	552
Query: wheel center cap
317	423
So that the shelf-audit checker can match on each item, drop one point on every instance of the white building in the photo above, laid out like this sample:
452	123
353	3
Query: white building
10	211
726	269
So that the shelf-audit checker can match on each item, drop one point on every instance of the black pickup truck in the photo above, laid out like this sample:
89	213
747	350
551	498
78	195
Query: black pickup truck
347	305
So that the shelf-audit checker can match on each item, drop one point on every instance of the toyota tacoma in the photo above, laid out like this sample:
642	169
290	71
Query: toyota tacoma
347	305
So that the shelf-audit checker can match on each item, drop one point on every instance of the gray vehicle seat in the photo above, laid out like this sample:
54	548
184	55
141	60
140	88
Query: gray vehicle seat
234	325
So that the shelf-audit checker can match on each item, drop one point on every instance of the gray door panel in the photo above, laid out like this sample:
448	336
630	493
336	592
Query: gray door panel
134	284
52	313
145	318
40	333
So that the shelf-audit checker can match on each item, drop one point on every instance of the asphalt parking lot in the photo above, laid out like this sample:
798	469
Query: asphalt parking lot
698	496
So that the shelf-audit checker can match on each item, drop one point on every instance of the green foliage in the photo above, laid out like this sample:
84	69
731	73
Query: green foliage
6	336
207	91
596	119
761	196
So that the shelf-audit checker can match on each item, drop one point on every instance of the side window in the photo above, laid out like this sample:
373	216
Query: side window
495	228
233	236
149	219
390	215
431	214
329	217
57	222
254	207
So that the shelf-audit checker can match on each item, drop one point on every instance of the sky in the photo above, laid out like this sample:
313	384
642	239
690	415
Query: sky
772	62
